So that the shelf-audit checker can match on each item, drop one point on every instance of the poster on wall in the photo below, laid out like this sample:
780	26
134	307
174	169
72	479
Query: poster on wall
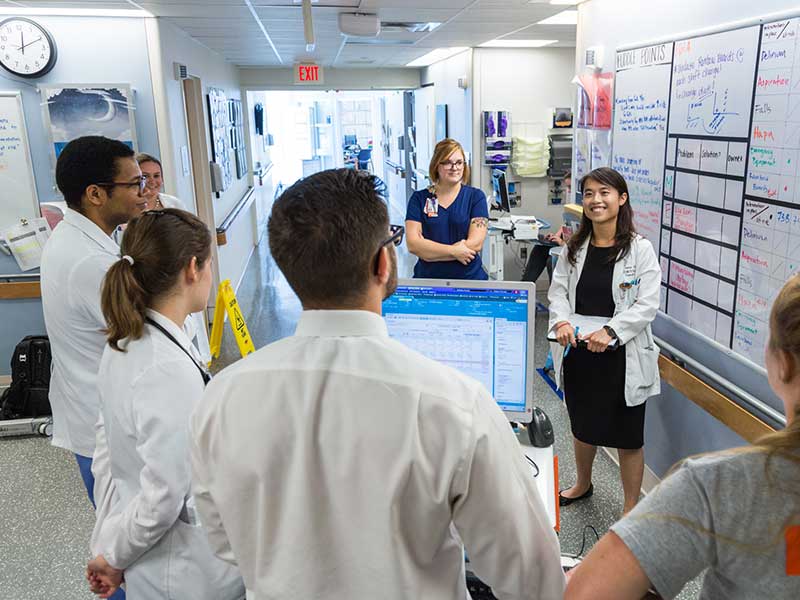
72	111
219	124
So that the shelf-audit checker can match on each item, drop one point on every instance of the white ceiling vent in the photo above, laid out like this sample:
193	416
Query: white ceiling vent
410	26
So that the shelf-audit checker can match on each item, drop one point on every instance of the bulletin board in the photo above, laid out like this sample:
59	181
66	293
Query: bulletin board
219	124
19	199
707	133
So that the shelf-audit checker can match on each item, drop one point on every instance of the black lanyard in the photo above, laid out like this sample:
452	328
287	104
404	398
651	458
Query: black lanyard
203	373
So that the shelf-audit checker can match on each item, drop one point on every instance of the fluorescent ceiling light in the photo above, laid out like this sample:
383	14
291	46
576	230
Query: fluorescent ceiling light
564	1
435	56
565	17
75	12
517	43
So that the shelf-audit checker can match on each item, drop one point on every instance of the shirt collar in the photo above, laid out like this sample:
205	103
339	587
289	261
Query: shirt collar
340	323
91	229
177	332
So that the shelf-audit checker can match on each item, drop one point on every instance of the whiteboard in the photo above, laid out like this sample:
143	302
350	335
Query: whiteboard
19	199
640	131
724	210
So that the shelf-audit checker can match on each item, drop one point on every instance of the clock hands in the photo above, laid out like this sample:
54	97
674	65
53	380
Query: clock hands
22	42
29	43
23	46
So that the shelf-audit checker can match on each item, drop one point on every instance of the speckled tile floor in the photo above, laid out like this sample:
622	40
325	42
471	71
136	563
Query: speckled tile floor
46	518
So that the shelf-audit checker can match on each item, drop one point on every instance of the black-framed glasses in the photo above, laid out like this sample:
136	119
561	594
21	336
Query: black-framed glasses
452	164
396	236
141	184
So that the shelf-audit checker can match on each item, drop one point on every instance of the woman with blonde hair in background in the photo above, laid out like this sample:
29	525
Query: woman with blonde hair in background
150	380
735	513
446	223
154	177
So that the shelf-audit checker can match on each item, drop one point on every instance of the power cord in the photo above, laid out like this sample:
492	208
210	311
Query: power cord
586	528
535	466
583	542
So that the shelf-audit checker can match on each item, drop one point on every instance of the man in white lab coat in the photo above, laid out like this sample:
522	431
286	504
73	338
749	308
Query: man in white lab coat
102	186
337	463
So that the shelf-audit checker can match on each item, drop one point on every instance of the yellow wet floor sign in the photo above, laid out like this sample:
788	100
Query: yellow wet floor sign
226	302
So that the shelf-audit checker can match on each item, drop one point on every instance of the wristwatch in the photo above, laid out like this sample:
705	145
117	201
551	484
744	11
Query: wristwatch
611	332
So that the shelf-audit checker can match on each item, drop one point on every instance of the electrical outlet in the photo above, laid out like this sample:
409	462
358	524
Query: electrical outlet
523	253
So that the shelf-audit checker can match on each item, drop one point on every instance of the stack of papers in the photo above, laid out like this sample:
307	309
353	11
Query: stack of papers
586	325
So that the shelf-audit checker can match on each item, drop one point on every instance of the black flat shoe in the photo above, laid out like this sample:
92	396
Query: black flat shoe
564	501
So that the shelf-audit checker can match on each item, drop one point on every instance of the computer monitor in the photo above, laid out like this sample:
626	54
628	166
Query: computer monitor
500	187
482	328
350	140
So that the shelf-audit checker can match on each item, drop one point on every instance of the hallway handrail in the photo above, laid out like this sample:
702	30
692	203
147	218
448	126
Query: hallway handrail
732	414
243	204
398	168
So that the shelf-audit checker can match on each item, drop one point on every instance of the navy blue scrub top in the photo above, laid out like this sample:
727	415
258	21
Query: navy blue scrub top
448	226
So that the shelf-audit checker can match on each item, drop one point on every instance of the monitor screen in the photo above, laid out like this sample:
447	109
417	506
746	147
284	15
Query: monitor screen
482	328
500	187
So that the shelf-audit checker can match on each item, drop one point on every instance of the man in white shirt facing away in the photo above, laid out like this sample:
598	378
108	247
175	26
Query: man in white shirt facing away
102	186
337	463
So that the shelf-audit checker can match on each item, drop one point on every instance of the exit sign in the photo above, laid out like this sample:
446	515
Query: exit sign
308	73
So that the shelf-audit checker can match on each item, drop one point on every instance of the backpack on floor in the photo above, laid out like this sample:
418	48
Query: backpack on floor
30	380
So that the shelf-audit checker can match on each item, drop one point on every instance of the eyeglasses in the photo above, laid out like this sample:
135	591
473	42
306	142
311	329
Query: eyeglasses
452	164
396	237
141	184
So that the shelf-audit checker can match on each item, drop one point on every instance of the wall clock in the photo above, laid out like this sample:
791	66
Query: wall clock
26	48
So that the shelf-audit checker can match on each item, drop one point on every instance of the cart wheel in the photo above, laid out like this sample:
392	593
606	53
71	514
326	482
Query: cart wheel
46	429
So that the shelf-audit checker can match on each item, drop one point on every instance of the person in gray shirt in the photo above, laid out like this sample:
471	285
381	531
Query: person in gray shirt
735	513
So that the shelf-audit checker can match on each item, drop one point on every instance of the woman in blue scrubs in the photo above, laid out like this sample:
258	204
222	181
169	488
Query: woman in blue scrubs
446	223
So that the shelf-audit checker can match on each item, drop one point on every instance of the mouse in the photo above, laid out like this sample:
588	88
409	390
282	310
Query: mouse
540	429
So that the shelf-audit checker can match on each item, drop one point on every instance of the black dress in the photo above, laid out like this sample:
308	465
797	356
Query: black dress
594	383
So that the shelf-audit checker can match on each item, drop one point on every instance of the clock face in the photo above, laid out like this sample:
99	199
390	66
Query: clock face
26	48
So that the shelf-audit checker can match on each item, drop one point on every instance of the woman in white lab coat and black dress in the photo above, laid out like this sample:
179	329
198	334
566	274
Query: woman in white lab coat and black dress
150	380
608	271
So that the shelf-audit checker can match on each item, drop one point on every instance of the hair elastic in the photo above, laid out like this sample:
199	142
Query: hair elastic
128	258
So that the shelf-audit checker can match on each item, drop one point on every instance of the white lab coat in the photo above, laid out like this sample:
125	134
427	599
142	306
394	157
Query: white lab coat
168	201
74	262
146	518
635	309
334	464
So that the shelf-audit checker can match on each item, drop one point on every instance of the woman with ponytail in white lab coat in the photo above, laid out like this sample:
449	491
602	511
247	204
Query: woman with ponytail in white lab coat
150	380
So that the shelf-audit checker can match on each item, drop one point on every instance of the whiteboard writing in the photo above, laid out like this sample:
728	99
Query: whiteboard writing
708	73
17	185
641	107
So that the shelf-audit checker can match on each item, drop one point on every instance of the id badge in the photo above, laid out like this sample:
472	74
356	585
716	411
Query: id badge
431	207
